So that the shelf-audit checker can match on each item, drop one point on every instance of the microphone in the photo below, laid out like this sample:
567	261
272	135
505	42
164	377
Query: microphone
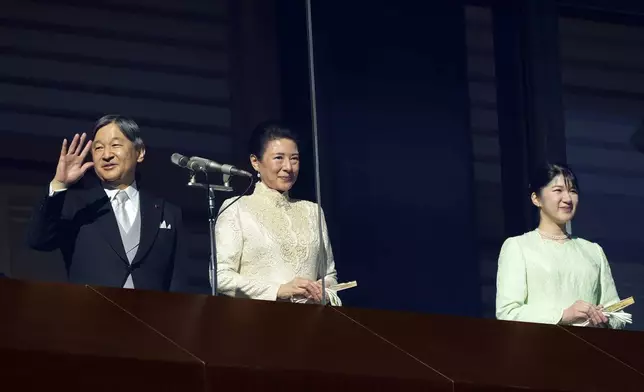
180	160
203	164
186	163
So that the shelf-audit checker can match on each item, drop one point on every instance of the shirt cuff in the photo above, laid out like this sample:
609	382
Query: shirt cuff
53	192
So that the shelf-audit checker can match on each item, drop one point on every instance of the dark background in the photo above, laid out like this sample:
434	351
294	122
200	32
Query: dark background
429	116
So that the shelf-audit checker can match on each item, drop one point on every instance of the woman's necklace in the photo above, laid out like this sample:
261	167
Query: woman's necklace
554	237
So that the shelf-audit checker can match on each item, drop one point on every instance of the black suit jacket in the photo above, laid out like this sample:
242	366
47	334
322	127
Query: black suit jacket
81	223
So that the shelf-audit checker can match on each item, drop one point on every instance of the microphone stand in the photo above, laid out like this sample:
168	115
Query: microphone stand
212	218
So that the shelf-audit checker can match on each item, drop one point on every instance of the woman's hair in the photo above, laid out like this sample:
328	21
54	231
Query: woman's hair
544	174
266	132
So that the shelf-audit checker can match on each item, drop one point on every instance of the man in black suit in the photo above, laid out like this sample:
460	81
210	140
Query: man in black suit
110	232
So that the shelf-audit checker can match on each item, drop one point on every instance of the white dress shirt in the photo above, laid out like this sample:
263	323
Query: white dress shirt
131	205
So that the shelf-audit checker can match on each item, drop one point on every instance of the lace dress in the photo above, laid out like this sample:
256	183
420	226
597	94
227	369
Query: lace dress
265	240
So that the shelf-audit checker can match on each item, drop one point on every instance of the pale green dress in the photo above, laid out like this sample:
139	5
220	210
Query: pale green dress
538	278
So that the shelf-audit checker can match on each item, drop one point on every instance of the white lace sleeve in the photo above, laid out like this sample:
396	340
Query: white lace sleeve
230	244
331	276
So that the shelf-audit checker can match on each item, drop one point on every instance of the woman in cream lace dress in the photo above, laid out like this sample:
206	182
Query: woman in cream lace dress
268	244
546	275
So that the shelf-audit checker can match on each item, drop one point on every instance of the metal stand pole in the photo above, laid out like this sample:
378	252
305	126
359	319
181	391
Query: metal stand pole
212	219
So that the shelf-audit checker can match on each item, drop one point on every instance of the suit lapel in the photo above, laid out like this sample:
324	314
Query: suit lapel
151	214
106	220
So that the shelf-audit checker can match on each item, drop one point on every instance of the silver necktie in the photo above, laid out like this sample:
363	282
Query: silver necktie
119	210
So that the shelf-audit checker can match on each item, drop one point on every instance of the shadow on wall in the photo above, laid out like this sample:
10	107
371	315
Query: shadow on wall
638	138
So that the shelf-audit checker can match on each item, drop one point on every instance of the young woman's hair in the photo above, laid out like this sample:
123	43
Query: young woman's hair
544	174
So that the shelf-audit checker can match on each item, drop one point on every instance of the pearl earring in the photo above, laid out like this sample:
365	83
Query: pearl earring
258	175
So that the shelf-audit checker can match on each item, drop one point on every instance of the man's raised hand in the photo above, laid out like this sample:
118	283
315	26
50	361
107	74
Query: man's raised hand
71	164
